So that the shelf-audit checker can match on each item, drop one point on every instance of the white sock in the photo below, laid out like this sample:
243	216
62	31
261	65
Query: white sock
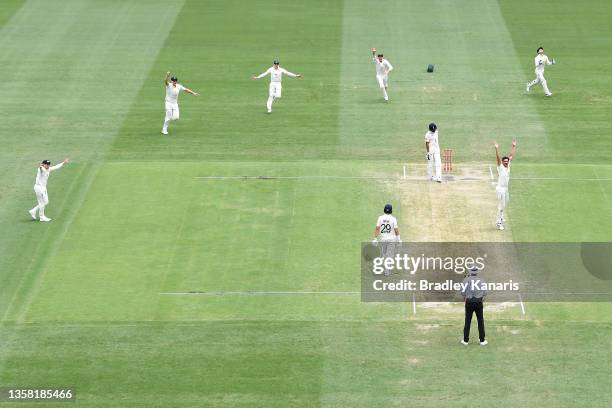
166	123
34	209
385	95
269	103
532	83
41	211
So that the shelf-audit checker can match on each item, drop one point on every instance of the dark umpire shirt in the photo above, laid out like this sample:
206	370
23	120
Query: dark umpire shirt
474	291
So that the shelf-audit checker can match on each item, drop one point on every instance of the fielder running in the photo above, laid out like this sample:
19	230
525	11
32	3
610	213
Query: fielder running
540	61
383	67
387	233
173	88
276	86
40	188
503	197
432	149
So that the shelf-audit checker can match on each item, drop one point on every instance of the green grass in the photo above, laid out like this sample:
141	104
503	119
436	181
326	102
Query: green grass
86	300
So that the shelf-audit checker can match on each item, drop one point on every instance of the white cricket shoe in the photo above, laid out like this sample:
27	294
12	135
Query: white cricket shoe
32	213
484	343
528	88
549	94
45	219
500	226
438	180
465	343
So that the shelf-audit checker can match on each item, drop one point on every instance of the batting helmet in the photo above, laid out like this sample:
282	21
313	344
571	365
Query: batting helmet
432	127
388	209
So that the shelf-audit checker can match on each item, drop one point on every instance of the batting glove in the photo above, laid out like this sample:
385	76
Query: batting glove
375	242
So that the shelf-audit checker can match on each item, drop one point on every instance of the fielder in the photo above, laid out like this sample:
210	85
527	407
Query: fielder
173	88
276	86
540	60
387	233
383	67
503	197
432	149
40	188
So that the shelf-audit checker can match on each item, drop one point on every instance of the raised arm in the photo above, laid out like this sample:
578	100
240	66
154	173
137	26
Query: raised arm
513	152
167	79
59	166
497	154
374	54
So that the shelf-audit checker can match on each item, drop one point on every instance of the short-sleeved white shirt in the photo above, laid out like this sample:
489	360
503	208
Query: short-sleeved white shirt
387	224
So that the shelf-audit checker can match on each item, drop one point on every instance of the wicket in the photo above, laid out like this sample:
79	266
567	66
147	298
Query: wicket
447	159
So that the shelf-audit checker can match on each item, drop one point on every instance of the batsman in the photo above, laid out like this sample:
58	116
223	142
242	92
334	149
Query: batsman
432	153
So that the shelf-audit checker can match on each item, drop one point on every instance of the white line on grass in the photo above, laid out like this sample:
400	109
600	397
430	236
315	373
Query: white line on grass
409	178
522	304
259	293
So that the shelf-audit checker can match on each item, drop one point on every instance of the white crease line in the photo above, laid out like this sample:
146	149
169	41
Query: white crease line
409	178
248	293
522	304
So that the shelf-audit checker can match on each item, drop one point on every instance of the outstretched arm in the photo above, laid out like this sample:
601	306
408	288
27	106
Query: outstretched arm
497	154
58	166
189	91
513	152
291	74
166	80
263	74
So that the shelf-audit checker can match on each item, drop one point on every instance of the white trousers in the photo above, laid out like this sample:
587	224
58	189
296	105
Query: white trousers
539	79
387	250
503	198
275	91
382	80
435	161
172	113
42	198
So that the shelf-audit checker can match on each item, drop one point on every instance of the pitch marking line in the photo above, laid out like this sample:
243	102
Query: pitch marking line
261	293
408	178
522	304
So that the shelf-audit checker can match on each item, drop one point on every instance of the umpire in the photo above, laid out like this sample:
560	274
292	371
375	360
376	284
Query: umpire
474	294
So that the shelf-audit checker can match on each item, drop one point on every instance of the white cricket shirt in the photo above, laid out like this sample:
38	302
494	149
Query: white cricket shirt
540	62
276	74
504	176
387	224
382	67
42	176
172	93
432	138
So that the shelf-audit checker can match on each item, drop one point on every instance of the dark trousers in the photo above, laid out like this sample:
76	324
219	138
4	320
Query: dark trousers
472	306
